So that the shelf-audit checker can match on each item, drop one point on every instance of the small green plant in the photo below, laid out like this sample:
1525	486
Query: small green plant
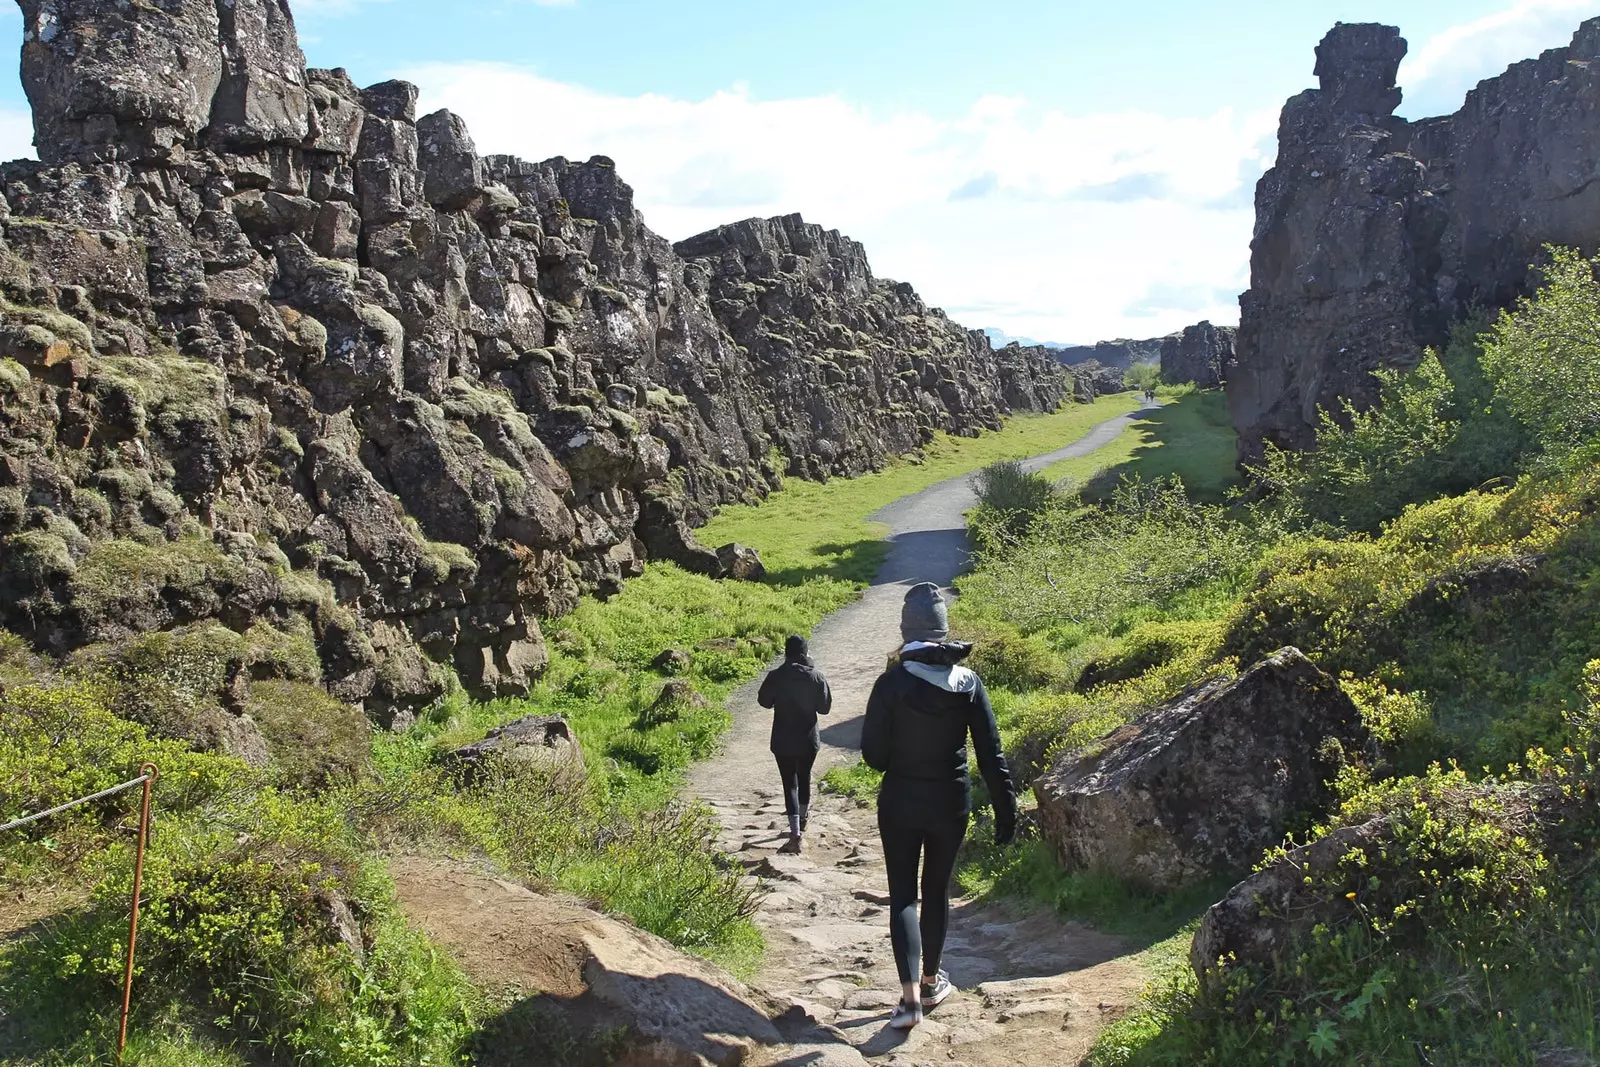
1009	495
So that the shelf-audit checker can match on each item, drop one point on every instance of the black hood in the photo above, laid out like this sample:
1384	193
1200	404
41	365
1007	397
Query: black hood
947	654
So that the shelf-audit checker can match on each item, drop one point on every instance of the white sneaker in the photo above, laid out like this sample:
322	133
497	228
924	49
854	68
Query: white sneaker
937	991
905	1016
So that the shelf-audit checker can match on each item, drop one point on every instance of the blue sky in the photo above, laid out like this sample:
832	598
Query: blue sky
1054	168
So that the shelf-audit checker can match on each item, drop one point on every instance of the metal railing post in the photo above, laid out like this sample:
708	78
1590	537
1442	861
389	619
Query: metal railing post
150	774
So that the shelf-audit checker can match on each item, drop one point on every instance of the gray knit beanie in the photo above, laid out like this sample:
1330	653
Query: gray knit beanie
924	617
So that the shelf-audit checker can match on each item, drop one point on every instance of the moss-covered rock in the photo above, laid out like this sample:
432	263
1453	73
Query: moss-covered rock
313	739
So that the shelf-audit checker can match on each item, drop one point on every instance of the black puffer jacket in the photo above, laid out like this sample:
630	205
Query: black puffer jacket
797	693
919	717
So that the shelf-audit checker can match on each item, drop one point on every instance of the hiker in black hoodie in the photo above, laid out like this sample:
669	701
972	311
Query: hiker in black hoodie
797	693
919	716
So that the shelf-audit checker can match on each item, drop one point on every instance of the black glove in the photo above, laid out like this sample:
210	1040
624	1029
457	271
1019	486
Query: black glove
1005	823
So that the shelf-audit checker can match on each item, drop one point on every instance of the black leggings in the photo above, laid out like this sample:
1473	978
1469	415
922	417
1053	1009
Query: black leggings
904	847
795	770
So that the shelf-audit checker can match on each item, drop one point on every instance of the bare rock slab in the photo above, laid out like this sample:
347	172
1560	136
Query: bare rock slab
1204	784
678	1011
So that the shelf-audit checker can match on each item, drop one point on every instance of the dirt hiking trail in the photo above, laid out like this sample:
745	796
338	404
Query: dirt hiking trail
1034	990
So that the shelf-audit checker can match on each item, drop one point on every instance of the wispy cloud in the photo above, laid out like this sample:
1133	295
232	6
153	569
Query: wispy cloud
1439	71
1036	220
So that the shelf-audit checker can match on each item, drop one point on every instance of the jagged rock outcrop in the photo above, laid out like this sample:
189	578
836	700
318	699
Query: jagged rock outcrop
1087	379
277	352
1373	235
1202	354
1118	355
1201	786
859	367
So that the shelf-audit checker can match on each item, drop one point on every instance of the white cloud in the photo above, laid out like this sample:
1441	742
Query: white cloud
16	133
1437	74
1037	221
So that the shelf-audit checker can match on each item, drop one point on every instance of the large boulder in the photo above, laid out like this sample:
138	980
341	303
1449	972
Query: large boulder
741	562
1201	786
540	741
1264	916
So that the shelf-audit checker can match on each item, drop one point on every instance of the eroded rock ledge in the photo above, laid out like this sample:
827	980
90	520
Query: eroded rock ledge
281	355
1374	235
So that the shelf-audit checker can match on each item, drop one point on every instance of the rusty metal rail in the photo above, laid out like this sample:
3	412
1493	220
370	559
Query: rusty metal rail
148	774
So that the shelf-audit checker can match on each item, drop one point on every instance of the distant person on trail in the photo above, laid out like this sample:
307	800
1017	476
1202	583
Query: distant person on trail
919	716
797	693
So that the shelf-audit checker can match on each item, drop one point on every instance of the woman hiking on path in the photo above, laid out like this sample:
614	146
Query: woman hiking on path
797	693
919	716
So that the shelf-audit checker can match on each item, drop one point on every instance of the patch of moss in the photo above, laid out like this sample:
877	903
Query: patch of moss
13	508
289	653
169	387
446	558
509	480
91	511
35	558
115	574
64	326
170	681
313	739
14	377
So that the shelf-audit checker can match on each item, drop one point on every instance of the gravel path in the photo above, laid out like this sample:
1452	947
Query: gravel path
1034	991
928	543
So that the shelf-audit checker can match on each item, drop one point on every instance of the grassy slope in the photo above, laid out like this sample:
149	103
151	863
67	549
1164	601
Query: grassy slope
1191	437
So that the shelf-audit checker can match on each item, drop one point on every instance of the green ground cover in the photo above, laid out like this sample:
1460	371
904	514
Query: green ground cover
238	959
1190	438
1440	555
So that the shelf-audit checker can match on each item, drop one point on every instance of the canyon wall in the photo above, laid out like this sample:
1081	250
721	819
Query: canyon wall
280	356
1374	235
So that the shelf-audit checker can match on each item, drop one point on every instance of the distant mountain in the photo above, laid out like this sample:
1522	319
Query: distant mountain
999	338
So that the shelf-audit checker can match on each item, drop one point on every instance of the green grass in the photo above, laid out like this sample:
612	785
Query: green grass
855	780
1192	437
815	529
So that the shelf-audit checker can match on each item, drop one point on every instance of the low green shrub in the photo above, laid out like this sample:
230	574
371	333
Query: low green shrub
1006	658
314	740
1481	604
1090	565
1009	496
262	923
1544	355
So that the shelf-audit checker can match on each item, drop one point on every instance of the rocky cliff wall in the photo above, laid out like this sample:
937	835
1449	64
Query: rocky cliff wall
858	367
1202	354
281	355
1373	235
1118	355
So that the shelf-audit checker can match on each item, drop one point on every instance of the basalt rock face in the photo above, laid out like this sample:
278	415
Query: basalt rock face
1202	354
1374	235
1086	380
857	367
1118	355
275	352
